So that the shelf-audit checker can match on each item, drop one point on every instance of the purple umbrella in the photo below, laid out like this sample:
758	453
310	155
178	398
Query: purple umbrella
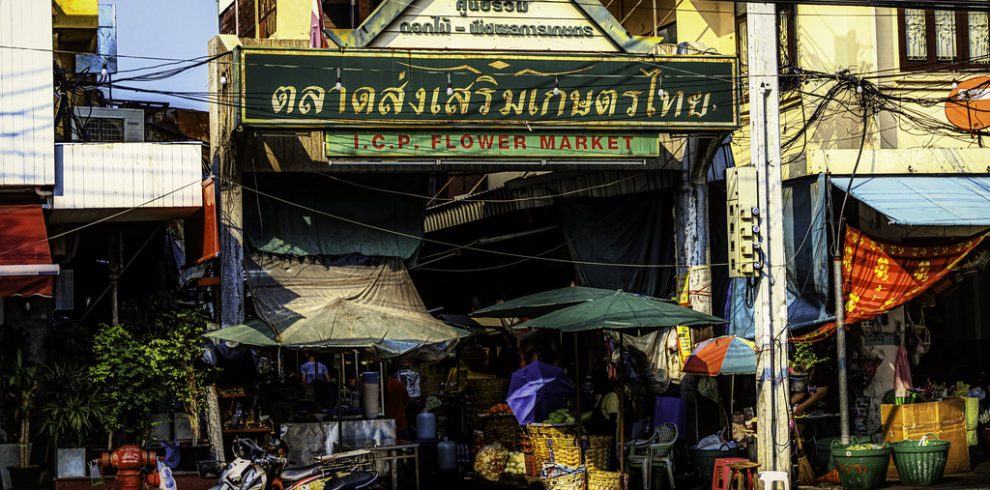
536	390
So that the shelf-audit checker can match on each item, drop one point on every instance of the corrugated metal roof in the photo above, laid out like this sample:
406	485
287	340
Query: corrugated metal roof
540	191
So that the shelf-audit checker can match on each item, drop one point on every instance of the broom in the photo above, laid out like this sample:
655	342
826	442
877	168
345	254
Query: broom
806	475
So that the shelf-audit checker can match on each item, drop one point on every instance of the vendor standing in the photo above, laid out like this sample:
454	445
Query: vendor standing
312	370
822	391
396	403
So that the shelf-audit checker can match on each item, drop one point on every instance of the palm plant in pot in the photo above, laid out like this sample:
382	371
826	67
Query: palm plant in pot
71	413
22	388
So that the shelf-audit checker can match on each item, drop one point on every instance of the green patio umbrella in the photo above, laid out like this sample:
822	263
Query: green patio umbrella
620	310
537	304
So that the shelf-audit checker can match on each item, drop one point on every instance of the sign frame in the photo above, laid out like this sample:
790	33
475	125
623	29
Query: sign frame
243	116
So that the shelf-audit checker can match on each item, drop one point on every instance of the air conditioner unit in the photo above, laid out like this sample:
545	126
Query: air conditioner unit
108	125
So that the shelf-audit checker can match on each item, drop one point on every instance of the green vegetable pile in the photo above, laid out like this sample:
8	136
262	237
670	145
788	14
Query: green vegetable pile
864	447
562	416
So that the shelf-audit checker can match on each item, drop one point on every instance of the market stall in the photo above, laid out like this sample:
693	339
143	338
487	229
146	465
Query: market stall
351	332
564	452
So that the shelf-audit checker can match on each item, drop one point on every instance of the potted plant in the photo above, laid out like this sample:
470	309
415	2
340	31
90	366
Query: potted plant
22	388
132	387
70	414
802	361
175	351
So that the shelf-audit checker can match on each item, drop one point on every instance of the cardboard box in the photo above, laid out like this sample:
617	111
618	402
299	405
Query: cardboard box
945	419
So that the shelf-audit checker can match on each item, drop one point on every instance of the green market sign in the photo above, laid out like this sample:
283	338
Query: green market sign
445	89
488	144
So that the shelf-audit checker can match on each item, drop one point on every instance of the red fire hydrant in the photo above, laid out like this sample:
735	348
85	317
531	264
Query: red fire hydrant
130	461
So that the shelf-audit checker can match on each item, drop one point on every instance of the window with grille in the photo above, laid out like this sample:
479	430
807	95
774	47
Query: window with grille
786	34
943	39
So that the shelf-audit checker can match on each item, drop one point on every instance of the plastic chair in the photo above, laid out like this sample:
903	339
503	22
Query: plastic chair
654	453
769	477
722	474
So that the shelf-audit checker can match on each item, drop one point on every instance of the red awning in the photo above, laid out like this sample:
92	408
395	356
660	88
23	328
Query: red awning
25	260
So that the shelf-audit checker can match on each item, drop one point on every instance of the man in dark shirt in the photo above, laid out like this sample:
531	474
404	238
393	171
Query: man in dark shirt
822	387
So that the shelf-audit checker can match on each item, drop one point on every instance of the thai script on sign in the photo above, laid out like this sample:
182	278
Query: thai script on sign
424	87
483	97
496	6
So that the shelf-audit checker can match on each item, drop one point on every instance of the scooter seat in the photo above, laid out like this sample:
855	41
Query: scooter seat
296	474
351	481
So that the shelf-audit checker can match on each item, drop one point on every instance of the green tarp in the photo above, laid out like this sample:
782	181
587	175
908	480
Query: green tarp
324	213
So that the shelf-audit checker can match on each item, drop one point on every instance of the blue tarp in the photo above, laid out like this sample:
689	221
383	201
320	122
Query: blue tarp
806	252
924	200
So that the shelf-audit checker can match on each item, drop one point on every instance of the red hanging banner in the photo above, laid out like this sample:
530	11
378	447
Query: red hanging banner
878	277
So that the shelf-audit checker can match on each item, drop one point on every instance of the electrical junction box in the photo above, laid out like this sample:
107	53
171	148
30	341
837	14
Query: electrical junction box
743	218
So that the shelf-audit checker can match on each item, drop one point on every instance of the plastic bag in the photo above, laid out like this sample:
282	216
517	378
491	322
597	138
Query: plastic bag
165	479
95	476
490	461
711	442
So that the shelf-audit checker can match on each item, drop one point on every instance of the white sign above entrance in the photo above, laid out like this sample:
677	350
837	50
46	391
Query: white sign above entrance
525	25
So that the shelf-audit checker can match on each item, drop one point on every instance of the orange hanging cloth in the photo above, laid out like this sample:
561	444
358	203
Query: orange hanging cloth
878	277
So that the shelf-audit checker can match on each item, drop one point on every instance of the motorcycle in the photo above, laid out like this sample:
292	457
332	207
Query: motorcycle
253	468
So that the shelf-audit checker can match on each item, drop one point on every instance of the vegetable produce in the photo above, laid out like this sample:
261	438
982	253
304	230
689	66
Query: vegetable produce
490	461
864	447
562	416
516	464
500	409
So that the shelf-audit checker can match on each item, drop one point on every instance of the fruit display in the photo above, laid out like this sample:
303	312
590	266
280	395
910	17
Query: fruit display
516	464
500	409
490	462
562	416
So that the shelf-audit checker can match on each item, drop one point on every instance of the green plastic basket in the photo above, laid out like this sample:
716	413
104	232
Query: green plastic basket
823	448
920	465
861	469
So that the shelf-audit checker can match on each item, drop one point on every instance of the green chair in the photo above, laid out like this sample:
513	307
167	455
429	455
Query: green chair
654	453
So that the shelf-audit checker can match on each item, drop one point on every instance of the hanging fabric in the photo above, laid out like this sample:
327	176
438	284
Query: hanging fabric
879	276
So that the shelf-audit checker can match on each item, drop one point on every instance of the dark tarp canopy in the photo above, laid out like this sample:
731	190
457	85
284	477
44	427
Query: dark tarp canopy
634	229
304	228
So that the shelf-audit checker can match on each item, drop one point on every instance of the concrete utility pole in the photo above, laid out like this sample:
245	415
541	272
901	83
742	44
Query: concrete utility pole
840	345
694	271
770	308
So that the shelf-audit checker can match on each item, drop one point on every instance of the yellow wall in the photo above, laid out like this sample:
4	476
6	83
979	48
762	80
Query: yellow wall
864	41
708	23
74	14
293	19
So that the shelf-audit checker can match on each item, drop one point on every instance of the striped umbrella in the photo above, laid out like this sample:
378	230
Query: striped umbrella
722	355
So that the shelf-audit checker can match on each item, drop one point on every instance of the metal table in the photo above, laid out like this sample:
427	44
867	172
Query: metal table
388	455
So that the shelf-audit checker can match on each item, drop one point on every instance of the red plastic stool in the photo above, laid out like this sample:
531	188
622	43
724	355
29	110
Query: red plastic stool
722	475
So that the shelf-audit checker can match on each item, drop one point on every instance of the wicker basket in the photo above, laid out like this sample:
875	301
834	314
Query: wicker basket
555	444
604	480
596	452
503	429
483	393
574	481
